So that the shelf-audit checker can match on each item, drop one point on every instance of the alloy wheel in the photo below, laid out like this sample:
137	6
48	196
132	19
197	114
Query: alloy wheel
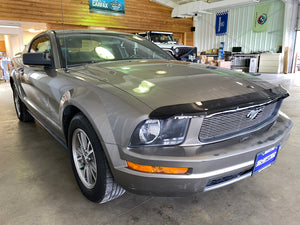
84	158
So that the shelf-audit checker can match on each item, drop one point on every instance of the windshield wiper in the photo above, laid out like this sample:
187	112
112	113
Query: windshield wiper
83	63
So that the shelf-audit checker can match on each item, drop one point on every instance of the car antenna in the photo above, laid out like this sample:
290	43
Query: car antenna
65	43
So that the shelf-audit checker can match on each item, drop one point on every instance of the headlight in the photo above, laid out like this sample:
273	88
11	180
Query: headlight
159	132
149	131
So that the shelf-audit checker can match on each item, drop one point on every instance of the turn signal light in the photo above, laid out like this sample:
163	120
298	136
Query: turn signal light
157	169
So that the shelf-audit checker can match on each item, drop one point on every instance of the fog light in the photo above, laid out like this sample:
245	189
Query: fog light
157	169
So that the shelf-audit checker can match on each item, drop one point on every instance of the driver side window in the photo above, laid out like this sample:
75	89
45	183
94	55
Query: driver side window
41	45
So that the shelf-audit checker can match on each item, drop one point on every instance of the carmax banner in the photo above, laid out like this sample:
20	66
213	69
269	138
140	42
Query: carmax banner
110	7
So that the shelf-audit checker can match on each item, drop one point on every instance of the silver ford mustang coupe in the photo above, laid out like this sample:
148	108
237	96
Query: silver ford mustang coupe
135	119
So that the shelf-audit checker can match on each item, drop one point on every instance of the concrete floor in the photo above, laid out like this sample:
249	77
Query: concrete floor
37	184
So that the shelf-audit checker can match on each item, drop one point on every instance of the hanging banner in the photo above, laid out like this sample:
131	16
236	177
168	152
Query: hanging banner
261	20
221	23
110	7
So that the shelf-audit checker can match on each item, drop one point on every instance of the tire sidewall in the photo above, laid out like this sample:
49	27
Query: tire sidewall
97	193
15	95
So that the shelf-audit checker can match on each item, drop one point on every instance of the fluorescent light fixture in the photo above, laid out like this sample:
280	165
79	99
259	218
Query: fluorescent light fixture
8	26
32	30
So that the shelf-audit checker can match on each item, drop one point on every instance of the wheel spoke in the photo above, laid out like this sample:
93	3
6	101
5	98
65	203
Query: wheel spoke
89	146
83	140
81	143
90	153
89	174
93	172
80	160
79	139
85	174
79	151
93	167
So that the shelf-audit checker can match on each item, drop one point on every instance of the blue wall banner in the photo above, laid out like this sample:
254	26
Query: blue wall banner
110	7
221	23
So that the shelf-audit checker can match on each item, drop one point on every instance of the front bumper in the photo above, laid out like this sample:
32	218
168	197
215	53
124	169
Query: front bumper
212	166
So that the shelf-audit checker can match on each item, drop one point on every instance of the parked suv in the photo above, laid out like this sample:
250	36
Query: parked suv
166	41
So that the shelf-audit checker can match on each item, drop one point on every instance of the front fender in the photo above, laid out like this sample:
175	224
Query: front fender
112	113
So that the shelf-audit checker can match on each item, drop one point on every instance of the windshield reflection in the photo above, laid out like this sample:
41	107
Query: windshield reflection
82	48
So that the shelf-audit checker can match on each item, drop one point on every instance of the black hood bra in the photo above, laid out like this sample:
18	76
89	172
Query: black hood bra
265	96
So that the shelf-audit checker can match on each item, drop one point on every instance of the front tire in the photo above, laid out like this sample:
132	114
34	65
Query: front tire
89	163
21	109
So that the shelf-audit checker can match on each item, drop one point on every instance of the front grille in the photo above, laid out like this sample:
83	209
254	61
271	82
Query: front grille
224	125
183	51
224	179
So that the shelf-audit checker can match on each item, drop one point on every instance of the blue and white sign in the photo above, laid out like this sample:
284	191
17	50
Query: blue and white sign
221	23
110	7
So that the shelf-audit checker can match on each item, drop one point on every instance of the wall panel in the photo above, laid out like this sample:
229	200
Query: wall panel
239	31
140	15
2	46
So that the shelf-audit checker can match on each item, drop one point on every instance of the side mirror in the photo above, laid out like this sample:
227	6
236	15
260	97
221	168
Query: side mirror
37	59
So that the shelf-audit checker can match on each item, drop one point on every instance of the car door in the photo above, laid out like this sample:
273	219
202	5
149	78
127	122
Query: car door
35	82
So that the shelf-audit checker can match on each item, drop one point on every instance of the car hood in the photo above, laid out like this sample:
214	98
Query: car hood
174	87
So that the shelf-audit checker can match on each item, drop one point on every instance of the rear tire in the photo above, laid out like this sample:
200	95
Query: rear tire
21	109
89	163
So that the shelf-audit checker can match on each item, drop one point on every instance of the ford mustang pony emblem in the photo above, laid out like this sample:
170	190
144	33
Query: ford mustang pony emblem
254	113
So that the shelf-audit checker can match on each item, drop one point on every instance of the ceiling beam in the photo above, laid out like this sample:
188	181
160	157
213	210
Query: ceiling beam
168	3
194	8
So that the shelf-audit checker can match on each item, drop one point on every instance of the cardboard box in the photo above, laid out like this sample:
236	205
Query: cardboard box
203	57
213	63
209	59
224	64
215	50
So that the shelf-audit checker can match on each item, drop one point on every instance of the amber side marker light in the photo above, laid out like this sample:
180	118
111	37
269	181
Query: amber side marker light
157	169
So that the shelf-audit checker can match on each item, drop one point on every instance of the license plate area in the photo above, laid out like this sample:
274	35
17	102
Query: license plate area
265	159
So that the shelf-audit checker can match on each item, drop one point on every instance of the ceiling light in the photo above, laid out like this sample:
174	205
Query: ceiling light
32	30
8	26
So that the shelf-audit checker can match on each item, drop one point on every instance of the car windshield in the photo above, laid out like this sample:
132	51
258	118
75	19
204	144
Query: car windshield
161	37
81	48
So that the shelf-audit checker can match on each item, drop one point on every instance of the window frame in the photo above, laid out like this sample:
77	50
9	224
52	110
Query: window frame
51	47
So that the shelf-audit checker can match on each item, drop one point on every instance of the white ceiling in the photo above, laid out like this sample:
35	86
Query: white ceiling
186	8
26	26
180	2
174	3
